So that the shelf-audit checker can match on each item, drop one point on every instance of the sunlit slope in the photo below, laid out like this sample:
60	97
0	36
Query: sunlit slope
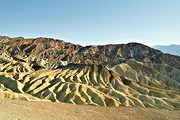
123	85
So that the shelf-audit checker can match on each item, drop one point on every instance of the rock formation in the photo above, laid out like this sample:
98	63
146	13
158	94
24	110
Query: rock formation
111	75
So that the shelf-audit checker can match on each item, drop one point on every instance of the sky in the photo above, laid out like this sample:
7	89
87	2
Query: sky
93	22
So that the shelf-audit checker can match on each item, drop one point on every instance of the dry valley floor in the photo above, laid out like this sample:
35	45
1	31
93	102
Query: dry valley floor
31	110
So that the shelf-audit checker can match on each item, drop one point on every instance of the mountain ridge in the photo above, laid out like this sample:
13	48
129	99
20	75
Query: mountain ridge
56	46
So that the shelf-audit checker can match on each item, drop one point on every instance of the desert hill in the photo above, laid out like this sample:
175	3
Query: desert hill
45	69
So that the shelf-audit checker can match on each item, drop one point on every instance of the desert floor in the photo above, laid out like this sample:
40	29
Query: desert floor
25	110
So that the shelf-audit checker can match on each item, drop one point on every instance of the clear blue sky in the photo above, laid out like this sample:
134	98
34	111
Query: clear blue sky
88	22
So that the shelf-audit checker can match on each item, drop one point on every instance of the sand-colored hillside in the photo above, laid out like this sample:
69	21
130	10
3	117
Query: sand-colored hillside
126	84
131	75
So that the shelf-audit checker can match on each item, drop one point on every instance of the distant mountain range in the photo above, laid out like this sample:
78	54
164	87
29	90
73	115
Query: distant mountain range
171	49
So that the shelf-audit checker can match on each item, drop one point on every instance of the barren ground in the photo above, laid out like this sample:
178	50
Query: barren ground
26	110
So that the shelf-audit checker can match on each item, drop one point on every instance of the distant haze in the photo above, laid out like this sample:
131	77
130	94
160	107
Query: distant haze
171	49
